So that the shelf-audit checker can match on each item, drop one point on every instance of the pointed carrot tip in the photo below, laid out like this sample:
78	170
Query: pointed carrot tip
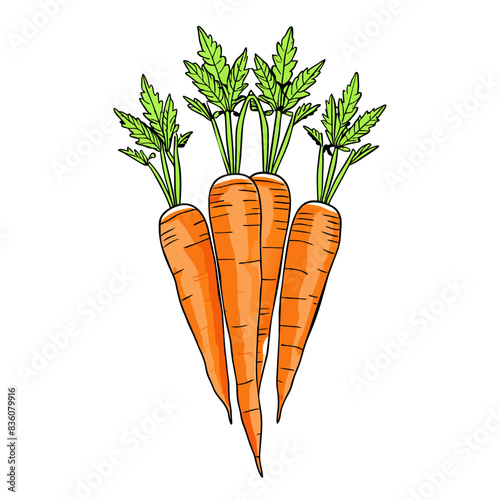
278	417
259	467
229	414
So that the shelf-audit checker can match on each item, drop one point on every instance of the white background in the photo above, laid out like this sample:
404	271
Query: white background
62	237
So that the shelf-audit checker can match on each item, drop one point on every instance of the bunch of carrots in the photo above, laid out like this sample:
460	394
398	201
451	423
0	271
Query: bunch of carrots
232	272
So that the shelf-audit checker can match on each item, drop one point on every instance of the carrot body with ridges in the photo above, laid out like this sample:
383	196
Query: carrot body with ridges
188	250
235	216
275	208
312	246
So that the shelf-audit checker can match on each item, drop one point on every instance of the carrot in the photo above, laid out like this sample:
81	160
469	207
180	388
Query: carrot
234	207
235	220
315	234
275	205
188	250
281	93
312	246
183	234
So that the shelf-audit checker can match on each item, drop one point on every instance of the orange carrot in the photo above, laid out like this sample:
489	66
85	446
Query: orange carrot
235	219
188	250
183	233
315	233
275	207
312	246
281	96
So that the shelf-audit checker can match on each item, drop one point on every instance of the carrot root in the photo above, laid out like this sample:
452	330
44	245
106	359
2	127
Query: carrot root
275	207
312	246
235	217
189	254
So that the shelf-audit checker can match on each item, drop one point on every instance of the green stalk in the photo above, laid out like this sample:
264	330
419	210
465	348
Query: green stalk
321	159
284	145
221	146
166	173
331	171
339	178
264	132
177	171
229	140
239	132
162	185
169	156
276	136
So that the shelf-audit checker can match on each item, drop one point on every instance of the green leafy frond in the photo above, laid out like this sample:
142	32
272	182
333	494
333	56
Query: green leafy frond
267	83
304	111
153	106
144	135
211	53
198	107
183	139
361	126
315	135
297	89
284	58
206	84
139	156
236	82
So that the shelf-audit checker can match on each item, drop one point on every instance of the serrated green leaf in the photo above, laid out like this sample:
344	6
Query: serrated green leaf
283	59
297	90
153	106
206	84
139	156
198	107
361	126
304	111
211	53
362	152
330	119
236	83
267	83
315	135
349	101
183	139
169	125
144	135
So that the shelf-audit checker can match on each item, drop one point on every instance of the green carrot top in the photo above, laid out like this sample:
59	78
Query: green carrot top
160	135
223	86
281	93
340	134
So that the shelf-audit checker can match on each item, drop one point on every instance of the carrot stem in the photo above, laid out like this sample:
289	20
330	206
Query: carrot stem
177	171
166	173
229	140
162	185
321	159
221	146
276	136
340	176
284	145
331	172
239	132
264	132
